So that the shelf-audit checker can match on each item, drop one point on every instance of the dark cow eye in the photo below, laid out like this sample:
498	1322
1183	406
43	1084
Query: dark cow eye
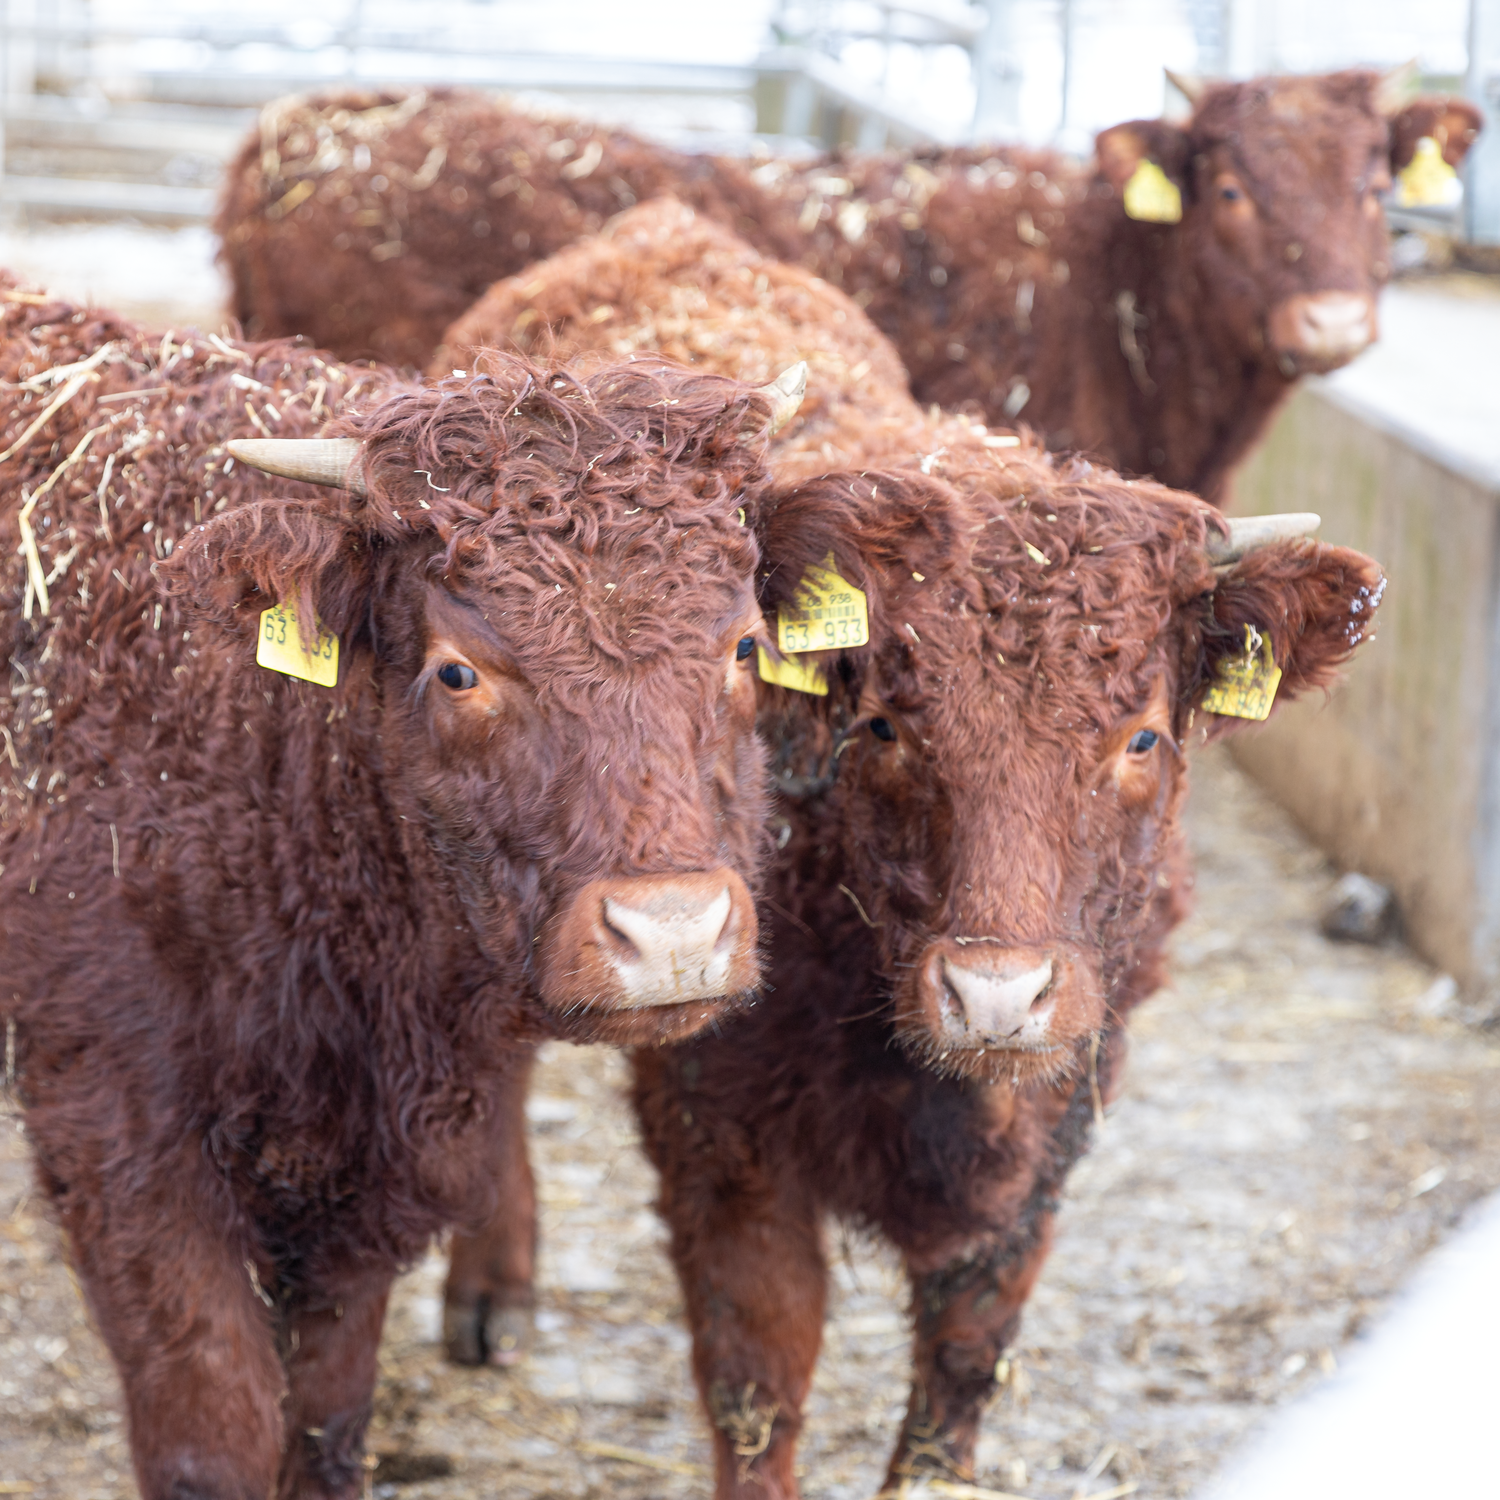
1142	740
455	675
1230	194
745	647
882	729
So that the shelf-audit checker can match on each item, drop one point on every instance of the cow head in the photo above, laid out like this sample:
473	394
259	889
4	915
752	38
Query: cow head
543	590
1009	746
1282	232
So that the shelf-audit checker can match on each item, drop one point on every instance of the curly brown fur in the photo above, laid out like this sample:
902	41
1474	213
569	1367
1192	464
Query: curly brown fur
662	277
272	951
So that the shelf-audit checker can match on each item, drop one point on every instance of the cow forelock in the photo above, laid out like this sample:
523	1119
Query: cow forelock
1284	218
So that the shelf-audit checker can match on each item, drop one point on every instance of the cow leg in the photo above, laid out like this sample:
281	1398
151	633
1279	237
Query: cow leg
331	1350
194	1344
749	1257
489	1302
966	1315
755	1284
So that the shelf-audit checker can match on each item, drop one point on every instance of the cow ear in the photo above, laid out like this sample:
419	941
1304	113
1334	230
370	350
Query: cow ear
1452	122
1122	149
272	552
1313	604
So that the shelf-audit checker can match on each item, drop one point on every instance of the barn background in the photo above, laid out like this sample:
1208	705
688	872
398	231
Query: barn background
1303	1121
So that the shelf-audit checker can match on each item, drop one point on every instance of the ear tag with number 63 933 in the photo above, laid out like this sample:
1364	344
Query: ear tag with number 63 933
1151	196
1245	686
279	647
827	614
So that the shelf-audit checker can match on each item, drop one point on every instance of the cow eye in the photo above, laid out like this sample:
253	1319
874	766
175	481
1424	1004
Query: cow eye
455	675
1230	193
883	729
744	648
1142	740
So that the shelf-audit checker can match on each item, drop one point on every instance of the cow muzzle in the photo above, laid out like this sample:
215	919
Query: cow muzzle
650	941
985	996
1319	331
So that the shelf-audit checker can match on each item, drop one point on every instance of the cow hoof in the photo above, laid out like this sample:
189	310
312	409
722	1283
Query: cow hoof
463	1333
478	1334
508	1333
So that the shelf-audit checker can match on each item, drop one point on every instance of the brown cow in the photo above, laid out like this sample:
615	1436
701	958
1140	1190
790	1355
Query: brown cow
368	220
972	905
271	948
979	864
1009	279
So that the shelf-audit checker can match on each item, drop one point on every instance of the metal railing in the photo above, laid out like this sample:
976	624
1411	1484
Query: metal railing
127	112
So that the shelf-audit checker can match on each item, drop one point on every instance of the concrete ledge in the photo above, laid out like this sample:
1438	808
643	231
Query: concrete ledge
1397	775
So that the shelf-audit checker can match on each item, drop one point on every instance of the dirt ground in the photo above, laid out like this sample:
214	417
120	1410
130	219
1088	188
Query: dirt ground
1302	1121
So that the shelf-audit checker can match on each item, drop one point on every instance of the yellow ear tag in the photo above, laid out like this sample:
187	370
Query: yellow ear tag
1152	196
801	676
829	613
1245	687
280	648
1427	181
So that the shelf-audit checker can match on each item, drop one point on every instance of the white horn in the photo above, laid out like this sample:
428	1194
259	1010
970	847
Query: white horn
1391	89
1189	85
1246	533
785	394
331	461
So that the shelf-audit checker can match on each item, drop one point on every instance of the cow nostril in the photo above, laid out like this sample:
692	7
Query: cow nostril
952	1001
608	920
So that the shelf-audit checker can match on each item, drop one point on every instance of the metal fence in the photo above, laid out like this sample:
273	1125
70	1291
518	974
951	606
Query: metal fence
112	107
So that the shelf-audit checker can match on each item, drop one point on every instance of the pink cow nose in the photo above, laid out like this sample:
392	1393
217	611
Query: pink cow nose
1321	330
644	942
989	996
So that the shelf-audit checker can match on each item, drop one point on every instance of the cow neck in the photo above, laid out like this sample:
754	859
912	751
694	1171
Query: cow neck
1194	393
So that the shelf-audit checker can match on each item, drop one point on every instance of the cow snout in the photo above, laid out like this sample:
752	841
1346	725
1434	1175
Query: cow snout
1321	330
989	996
640	942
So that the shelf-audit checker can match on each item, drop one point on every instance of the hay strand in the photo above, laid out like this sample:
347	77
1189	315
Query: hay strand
643	1459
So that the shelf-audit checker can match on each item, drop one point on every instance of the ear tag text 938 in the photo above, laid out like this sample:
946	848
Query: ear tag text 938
1151	196
279	647
1245	686
828	613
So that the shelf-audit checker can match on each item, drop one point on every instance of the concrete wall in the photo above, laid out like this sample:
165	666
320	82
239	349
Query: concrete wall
1395	775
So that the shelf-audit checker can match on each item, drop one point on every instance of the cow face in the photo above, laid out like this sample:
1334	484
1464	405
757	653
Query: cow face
543	588
1010	745
1283	236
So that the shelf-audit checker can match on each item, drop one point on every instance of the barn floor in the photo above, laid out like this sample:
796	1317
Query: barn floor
1302	1121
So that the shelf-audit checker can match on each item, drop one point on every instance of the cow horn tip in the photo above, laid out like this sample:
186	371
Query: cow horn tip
1246	533
327	461
1189	85
785	394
